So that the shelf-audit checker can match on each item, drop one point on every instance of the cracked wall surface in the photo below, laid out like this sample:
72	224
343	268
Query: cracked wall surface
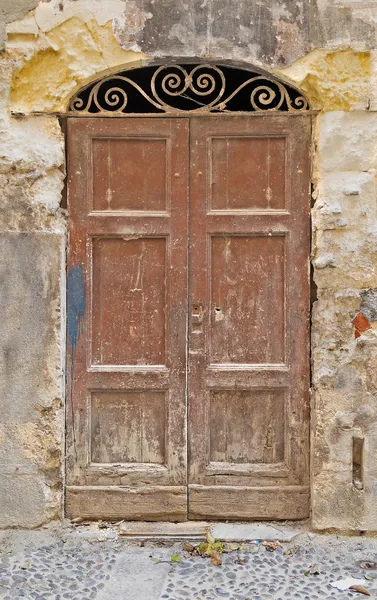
51	49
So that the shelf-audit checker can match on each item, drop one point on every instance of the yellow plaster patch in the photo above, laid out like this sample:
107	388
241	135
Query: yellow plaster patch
39	83
112	53
78	52
337	80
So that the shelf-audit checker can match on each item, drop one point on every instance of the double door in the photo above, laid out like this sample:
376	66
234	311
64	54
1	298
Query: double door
188	318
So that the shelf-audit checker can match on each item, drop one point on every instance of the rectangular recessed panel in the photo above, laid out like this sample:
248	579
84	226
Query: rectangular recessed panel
247	299
128	427
247	426
129	174
128	301
248	173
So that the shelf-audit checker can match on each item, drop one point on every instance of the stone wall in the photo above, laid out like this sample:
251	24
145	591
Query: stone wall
267	32
328	49
344	353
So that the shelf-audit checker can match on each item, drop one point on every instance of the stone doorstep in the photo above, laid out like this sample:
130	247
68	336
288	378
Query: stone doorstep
163	530
228	532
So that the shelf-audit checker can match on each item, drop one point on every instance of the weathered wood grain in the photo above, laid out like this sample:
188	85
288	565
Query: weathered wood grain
150	503
238	503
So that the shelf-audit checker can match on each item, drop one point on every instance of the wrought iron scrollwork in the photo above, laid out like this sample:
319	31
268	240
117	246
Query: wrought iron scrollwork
188	88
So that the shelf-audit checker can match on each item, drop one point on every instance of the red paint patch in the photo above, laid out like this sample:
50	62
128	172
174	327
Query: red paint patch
361	322
357	334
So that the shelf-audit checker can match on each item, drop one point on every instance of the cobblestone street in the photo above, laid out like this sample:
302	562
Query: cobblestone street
91	563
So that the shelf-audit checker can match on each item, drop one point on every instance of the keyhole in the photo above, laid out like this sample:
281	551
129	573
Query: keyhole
219	316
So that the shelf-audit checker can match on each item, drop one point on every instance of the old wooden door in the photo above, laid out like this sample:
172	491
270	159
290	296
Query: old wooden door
188	318
249	317
127	307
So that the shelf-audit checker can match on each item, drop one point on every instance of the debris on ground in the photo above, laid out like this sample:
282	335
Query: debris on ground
188	548
347	584
216	559
271	546
291	551
79	521
176	558
211	548
368	565
360	589
232	547
311	570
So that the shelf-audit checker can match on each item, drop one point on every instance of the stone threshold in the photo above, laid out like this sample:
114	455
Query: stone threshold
197	530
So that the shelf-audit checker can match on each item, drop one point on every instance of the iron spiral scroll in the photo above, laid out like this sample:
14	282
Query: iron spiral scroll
188	88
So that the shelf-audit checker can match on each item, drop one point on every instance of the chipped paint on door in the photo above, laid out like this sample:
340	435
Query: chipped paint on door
76	303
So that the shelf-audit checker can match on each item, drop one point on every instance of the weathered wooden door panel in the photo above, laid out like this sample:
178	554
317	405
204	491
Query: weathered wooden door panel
127	314
249	318
128	277
247	299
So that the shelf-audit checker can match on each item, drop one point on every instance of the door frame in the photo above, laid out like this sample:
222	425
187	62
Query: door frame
258	74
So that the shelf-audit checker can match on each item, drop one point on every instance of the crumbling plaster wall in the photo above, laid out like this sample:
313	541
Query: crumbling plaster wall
32	240
329	49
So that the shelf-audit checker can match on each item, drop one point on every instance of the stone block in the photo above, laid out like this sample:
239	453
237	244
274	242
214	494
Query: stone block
347	141
24	501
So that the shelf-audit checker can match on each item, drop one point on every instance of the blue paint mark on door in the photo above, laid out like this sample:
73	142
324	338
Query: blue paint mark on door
76	303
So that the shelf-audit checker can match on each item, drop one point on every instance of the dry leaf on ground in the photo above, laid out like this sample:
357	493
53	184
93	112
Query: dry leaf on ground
210	538
216	558
175	558
360	589
271	546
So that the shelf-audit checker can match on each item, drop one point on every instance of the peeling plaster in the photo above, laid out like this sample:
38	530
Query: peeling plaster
128	25
49	15
334	80
76	52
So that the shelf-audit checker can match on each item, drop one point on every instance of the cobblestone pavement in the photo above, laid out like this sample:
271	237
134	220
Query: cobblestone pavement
96	564
301	572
